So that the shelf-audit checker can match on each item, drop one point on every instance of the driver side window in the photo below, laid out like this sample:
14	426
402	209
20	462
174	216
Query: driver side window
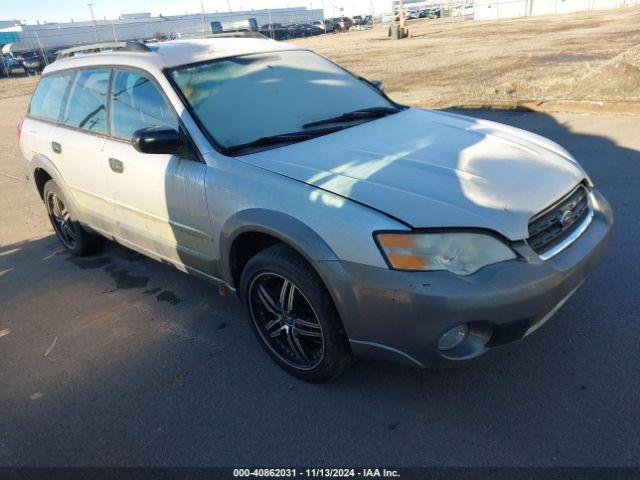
137	103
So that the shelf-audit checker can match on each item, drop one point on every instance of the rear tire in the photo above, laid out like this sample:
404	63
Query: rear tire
73	237
293	315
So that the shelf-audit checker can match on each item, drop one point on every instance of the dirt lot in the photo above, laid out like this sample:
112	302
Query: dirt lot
585	56
16	87
570	57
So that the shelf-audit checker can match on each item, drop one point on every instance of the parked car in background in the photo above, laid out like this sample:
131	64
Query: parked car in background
343	23
301	30
388	18
275	31
324	25
9	65
32	62
315	29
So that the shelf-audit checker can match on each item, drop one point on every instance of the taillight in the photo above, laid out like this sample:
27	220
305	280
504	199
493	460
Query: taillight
19	129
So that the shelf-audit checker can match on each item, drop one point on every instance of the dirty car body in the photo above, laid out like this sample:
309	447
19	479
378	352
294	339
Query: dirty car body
436	236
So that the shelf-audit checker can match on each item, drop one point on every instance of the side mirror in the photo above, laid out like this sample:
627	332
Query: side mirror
378	84
159	140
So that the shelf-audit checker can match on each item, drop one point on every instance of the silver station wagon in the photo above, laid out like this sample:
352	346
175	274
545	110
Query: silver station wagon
347	224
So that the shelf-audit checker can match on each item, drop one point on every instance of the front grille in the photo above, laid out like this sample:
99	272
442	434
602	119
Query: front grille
555	224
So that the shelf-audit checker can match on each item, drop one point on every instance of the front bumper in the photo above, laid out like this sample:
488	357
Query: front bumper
400	316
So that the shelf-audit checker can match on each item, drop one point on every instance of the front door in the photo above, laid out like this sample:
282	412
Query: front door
159	199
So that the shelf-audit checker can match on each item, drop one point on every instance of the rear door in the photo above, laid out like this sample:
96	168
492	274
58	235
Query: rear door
80	145
159	199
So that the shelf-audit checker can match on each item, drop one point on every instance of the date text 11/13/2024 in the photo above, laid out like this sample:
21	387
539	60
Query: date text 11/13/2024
316	472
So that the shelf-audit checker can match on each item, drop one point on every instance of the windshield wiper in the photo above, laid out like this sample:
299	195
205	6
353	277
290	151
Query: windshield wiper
291	137
373	112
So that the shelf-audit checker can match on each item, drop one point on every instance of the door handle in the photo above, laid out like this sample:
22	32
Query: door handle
116	165
56	147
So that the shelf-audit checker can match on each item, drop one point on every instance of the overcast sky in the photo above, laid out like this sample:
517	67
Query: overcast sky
64	10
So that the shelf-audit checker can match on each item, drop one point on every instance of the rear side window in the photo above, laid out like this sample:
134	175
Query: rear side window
46	102
87	104
137	103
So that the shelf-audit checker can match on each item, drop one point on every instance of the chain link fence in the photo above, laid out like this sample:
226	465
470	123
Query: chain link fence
57	36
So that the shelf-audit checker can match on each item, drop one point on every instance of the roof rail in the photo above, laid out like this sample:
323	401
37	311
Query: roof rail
128	46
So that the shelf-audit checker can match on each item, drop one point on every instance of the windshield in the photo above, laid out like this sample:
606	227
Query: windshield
242	99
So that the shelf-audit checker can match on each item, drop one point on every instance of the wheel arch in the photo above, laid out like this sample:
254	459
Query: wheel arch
249	231
41	177
43	170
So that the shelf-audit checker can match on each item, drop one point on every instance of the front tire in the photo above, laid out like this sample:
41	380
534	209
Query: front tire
293	315
73	237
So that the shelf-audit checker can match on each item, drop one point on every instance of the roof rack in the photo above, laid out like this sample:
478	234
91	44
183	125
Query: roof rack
129	46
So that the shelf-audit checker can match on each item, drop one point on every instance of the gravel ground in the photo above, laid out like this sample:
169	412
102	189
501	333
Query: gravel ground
617	79
18	86
558	57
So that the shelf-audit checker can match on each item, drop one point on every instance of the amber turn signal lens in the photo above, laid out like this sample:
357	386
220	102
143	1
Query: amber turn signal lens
462	253
399	248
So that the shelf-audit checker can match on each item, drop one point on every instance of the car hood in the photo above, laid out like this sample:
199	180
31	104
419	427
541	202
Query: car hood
433	169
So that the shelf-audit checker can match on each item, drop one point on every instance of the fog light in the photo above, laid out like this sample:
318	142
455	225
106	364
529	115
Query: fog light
452	338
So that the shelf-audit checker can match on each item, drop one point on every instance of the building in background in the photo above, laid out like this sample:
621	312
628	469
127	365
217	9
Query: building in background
9	35
142	26
9	31
9	23
493	9
419	4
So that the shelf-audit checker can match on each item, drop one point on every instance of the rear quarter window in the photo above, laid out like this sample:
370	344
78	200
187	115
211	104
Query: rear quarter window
47	100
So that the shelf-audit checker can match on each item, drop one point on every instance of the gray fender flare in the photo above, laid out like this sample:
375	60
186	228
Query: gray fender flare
286	228
298	236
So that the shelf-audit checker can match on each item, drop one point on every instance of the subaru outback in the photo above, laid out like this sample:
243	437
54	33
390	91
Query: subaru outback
347	224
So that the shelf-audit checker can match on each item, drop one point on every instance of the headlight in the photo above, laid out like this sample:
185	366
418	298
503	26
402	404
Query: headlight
459	252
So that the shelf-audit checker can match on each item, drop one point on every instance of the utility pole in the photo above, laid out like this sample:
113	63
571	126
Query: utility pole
44	57
202	17
93	19
229	5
